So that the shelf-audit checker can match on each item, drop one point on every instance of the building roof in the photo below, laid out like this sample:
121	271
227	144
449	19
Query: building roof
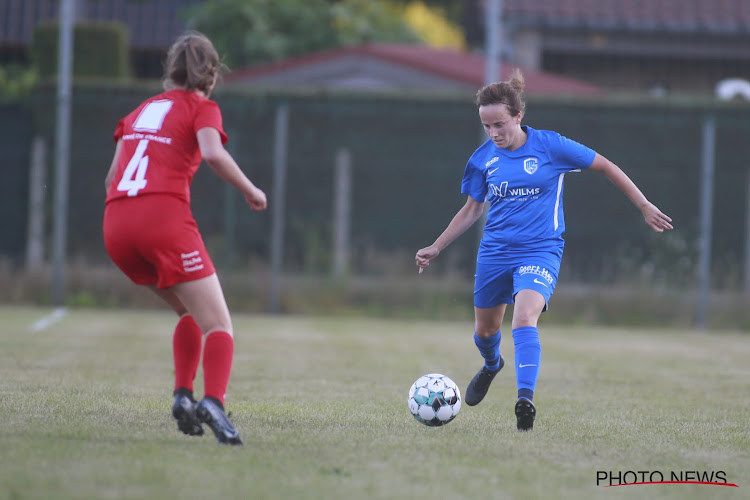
695	16
382	66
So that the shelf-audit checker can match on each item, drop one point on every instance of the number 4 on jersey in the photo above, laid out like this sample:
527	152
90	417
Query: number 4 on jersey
150	119
134	176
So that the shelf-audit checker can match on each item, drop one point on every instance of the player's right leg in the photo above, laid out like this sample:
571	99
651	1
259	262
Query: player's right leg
492	293
187	343
487	339
204	299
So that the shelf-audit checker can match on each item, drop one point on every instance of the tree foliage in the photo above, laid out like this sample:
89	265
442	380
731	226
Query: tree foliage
357	21
433	26
251	31
452	9
16	80
248	32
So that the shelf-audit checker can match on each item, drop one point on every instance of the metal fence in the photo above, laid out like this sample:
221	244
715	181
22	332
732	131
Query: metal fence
407	154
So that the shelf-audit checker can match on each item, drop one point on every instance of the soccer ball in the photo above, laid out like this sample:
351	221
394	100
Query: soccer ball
434	399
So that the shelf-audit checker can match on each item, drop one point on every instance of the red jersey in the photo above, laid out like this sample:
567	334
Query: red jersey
160	152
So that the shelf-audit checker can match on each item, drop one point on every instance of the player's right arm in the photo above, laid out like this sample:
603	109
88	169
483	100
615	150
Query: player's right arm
221	162
463	220
113	166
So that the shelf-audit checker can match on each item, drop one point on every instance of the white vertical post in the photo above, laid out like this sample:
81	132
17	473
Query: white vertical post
278	203
493	27
62	147
342	212
493	39
707	188
35	232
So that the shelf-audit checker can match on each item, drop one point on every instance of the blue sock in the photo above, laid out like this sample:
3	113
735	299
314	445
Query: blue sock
528	356
490	350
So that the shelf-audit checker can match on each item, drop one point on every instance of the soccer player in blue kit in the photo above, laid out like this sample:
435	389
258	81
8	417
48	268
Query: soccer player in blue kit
520	172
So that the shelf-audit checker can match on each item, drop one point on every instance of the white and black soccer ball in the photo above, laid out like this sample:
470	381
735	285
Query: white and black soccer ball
434	399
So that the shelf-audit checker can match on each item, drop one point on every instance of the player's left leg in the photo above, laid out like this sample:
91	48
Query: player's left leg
528	307
534	282
526	312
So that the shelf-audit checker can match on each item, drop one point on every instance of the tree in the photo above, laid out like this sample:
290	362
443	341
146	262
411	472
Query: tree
358	21
452	9
432	25
16	80
248	32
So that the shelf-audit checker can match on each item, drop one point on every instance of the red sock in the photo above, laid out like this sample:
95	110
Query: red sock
186	348
217	364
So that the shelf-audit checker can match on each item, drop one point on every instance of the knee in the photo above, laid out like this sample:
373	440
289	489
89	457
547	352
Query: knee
486	330
227	330
525	318
216	325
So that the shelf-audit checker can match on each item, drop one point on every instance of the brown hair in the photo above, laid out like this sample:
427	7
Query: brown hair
192	63
509	93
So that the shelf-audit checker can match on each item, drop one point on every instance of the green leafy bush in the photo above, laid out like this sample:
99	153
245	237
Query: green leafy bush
16	80
101	49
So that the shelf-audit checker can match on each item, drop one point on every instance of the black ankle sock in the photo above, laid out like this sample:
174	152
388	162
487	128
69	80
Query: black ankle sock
526	394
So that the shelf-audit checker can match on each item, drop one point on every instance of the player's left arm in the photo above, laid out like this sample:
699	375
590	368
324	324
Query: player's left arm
221	162
651	214
113	166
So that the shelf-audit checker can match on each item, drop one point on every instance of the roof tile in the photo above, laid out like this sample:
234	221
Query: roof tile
697	15
465	68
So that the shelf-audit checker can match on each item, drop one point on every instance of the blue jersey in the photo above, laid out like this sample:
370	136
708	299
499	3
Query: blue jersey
524	188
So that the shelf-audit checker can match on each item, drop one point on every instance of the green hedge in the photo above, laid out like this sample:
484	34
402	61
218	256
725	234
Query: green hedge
100	49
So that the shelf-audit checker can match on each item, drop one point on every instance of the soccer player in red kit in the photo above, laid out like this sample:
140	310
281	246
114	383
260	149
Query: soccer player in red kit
150	232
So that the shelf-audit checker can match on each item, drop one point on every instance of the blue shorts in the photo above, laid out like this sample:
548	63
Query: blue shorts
498	283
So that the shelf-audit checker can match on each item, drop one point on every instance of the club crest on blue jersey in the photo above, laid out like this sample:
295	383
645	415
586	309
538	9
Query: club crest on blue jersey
530	165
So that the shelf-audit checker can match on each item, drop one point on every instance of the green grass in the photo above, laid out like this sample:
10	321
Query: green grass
321	405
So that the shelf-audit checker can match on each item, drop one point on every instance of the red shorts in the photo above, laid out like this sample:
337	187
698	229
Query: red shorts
154	240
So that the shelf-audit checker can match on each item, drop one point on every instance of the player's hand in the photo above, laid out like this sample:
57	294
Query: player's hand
425	255
256	198
655	218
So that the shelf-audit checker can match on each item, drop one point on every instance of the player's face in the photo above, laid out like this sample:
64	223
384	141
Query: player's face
501	127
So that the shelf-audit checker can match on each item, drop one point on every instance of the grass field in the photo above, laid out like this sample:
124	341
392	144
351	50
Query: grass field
321	405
